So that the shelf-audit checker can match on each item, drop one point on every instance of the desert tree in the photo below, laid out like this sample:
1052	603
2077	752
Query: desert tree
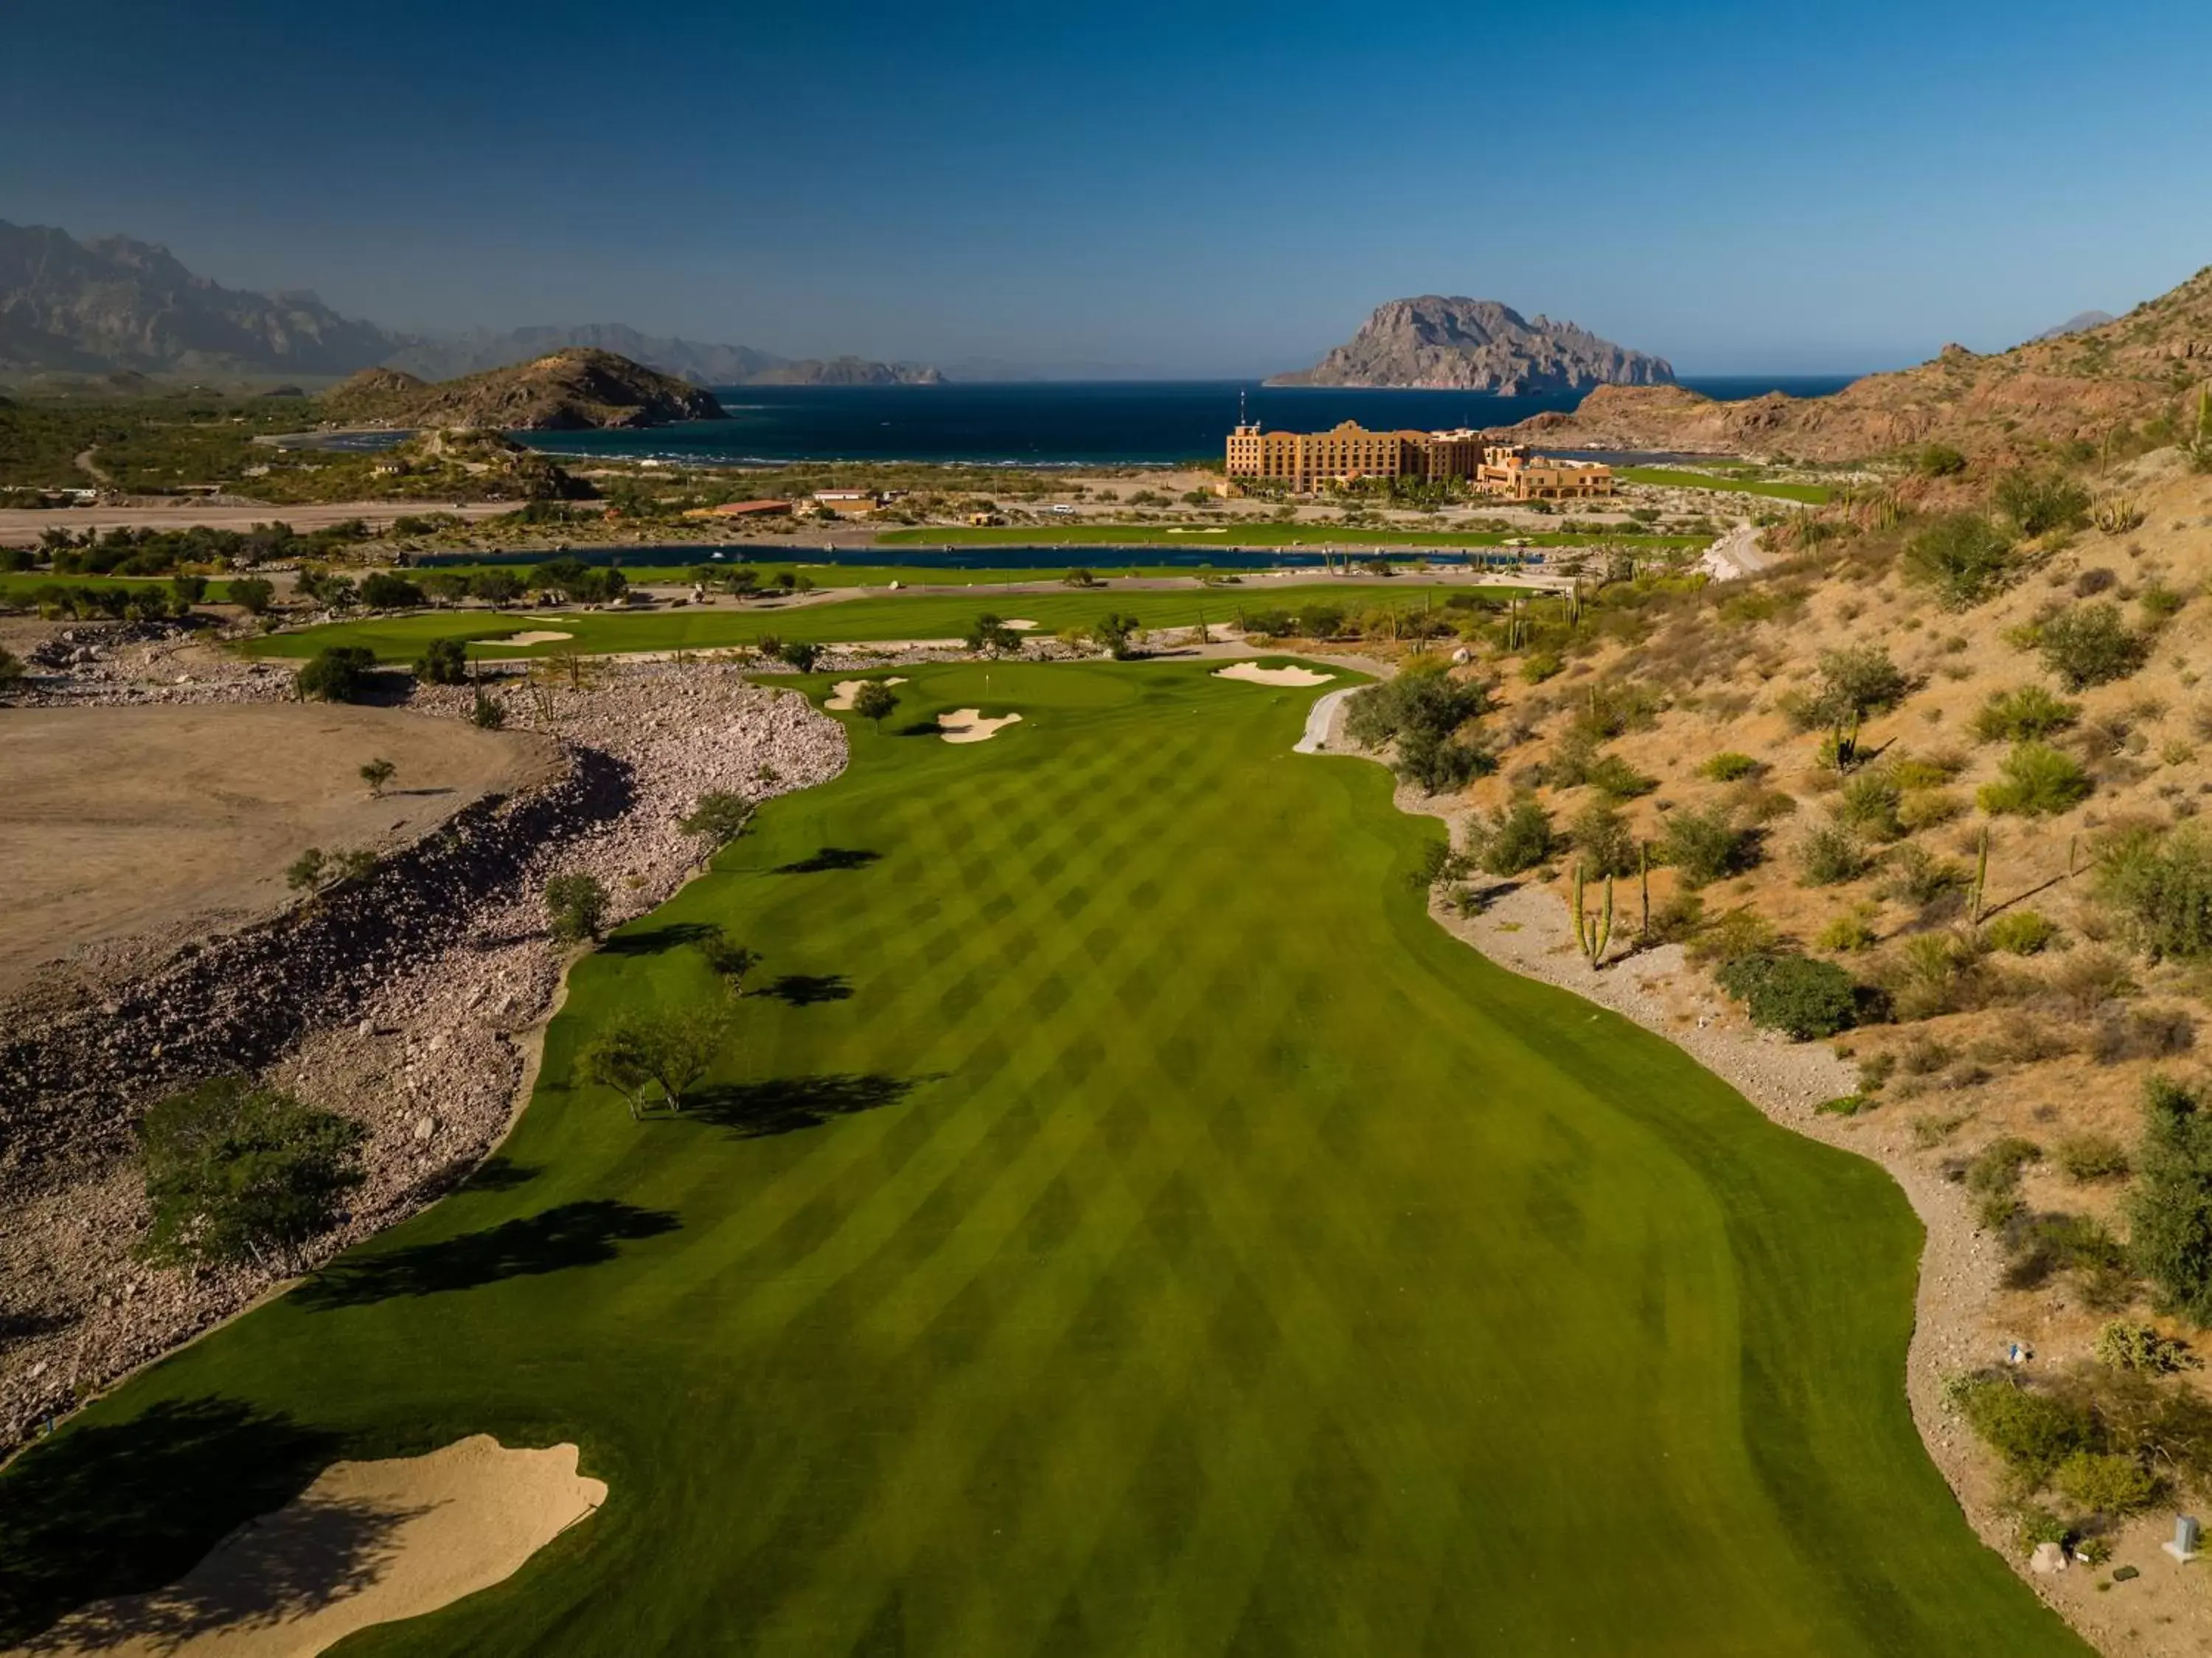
639	1053
377	774
235	1171
575	907
874	701
717	818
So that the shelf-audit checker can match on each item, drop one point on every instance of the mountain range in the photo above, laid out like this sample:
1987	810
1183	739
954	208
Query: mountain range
1454	343
111	304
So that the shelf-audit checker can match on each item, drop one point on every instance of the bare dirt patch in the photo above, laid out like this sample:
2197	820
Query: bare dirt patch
969	725
154	821
1256	675
367	1542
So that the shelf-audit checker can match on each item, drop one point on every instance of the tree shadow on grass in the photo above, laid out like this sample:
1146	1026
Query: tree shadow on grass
573	1234
98	1512
784	1105
652	940
827	859
806	990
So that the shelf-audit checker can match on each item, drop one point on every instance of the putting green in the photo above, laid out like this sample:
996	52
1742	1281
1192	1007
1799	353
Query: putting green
920	616
1126	1224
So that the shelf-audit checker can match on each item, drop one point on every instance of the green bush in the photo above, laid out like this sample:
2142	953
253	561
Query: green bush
1730	767
2034	1432
2161	883
1538	666
443	662
1617	780
2022	932
2107	1482
1736	936
2091	645
576	907
234	1170
2169	1208
2026	713
2086	1157
1803	998
1708	845
1518	837
2035	780
1602	841
380	590
1869	803
2123	1346
1964	557
252	594
1939	461
2038	503
336	674
1830	855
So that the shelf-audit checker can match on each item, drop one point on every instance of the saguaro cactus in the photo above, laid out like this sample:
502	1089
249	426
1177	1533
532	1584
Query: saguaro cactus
1592	934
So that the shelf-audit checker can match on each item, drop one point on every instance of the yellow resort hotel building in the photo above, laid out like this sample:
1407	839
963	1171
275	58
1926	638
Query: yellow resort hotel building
1304	461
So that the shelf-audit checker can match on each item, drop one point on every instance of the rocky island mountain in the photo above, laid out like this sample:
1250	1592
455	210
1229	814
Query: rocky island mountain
112	304
2080	322
702	363
569	390
2073	387
1454	343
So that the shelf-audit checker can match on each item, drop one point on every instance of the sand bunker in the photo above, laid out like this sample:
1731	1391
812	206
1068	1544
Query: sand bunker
367	1542
1259	676
537	637
969	725
841	694
1019	624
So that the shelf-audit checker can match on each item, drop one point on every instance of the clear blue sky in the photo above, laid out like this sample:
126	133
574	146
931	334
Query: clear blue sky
1213	188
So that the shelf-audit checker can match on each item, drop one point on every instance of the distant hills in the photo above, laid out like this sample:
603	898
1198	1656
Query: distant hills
1456	343
2064	388
111	305
114	305
2080	323
700	363
567	390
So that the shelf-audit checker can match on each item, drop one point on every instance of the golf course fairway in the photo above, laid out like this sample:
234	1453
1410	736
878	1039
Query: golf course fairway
1123	1223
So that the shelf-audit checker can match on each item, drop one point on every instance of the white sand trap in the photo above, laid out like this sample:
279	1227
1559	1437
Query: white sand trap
537	637
1216	530
1259	676
841	694
1019	624
367	1542
969	725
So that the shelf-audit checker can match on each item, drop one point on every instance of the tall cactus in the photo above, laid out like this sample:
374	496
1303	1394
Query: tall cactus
1980	896
1592	934
1643	878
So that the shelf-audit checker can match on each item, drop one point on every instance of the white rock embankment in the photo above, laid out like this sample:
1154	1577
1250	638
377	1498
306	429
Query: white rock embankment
410	1011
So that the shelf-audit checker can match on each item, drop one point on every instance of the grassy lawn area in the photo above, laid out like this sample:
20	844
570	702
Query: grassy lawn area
922	616
1248	535
882	576
1123	1223
1811	494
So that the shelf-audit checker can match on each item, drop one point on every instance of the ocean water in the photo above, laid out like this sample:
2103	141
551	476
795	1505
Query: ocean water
1140	423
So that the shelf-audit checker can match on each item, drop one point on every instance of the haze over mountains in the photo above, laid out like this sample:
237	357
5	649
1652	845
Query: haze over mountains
111	304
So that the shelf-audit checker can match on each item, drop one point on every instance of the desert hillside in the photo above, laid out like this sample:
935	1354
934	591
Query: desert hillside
570	389
2139	368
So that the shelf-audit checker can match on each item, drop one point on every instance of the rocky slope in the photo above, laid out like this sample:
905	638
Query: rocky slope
1477	345
569	390
2055	390
112	304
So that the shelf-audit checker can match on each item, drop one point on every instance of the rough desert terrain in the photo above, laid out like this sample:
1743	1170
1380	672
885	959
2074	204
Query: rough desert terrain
21	527
156	821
